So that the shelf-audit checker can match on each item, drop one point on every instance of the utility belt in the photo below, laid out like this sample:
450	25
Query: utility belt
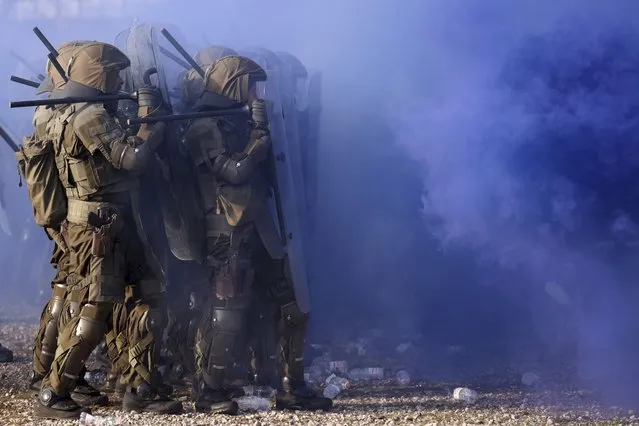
105	219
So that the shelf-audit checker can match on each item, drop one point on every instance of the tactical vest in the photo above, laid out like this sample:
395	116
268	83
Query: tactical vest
83	175
206	139
229	206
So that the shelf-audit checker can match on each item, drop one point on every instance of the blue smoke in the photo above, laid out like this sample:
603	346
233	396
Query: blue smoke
531	161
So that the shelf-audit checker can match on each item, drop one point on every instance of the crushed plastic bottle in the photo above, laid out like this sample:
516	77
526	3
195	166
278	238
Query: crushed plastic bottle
466	395
331	391
261	391
334	385
371	373
315	374
403	378
253	403
87	419
340	367
96	378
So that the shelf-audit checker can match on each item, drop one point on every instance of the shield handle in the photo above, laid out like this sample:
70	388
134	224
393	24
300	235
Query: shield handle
146	78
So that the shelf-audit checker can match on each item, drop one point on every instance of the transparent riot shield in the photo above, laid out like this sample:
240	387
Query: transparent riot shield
289	180
176	192
311	137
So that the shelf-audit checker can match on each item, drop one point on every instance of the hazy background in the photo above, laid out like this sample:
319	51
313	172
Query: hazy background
478	165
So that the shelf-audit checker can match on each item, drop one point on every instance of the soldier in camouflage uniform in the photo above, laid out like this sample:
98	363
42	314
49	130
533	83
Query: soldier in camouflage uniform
188	296
99	168
229	156
63	285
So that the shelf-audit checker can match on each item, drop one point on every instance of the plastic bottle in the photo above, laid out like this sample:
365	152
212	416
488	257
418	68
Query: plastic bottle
371	373
96	378
262	391
253	403
340	367
403	378
465	394
334	385
87	419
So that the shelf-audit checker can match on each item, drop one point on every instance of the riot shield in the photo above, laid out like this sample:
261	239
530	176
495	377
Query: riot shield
140	44
6	163
294	77
289	188
311	140
170	176
276	70
4	218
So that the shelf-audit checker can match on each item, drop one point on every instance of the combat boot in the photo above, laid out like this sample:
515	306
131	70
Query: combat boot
295	395
216	401
50	405
35	382
87	396
143	398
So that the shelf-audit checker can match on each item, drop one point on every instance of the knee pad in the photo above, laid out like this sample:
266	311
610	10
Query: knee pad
229	320
147	318
49	337
156	319
57	301
92	324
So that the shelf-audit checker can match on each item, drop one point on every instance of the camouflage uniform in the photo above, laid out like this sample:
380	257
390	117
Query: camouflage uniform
187	297
229	157
99	168
46	338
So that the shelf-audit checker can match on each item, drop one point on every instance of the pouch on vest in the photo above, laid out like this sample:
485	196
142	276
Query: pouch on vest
36	160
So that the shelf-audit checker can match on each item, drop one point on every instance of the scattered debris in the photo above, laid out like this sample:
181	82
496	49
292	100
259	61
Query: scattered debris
466	395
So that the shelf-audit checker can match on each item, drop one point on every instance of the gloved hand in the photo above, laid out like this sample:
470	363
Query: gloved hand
152	134
259	116
260	148
150	102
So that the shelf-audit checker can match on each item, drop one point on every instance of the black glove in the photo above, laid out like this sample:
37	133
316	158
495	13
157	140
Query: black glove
259	114
150	101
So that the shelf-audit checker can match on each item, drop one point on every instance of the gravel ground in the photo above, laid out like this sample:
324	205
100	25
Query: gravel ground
382	403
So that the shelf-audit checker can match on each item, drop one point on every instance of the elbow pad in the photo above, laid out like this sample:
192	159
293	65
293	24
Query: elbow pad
130	158
234	172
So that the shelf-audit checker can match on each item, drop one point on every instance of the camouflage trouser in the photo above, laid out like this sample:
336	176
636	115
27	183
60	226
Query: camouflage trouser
117	342
260	313
105	267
